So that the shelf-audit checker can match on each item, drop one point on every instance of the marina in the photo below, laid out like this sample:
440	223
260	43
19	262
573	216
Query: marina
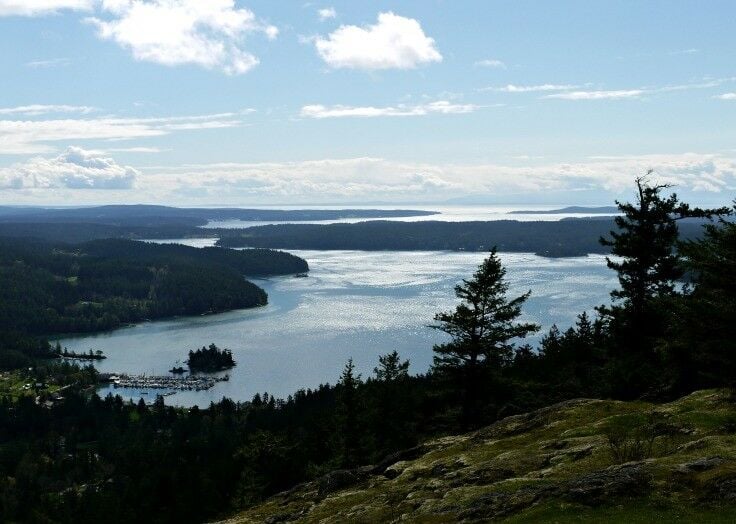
142	382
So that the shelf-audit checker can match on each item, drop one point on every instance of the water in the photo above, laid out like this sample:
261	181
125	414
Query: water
353	304
446	214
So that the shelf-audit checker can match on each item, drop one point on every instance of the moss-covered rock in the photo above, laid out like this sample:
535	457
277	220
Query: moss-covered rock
577	461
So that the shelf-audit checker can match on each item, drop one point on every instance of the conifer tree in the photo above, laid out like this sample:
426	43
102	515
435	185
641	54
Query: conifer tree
648	267
482	329
390	367
348	414
701	340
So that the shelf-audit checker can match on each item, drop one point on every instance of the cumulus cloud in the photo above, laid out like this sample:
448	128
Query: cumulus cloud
327	13
492	63
727	96
394	42
41	7
73	169
32	136
208	33
340	111
42	109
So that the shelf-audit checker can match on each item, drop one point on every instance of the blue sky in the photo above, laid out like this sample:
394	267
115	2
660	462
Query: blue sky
208	102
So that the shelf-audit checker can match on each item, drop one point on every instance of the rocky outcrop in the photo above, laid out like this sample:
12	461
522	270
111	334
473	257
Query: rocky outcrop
549	464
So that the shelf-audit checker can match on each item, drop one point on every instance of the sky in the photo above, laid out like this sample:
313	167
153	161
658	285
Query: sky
241	103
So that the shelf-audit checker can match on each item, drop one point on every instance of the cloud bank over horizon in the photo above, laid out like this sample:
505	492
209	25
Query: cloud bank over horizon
77	172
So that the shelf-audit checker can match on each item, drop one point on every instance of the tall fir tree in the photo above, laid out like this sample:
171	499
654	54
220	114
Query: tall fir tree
648	267
349	433
482	330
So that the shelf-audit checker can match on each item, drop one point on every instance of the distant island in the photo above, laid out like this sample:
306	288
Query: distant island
600	210
210	359
82	224
563	238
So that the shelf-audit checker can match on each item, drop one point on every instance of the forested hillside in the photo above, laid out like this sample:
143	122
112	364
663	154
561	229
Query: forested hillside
58	288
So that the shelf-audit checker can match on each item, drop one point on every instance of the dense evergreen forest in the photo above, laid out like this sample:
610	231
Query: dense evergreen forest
58	288
570	237
89	459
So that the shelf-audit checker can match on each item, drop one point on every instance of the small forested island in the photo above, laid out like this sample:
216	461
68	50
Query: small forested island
210	358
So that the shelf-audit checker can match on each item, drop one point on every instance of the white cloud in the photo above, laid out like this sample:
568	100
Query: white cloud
618	94
727	96
394	42
339	111
42	109
492	63
32	136
690	51
598	95
575	92
511	88
326	13
74	169
342	181
346	180
45	64
41	7
207	33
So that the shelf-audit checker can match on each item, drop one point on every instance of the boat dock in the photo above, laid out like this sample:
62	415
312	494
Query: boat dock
188	383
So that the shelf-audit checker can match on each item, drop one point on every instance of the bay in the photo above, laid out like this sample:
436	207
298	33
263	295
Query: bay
353	304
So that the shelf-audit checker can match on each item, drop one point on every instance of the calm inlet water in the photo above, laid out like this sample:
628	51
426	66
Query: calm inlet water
353	304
